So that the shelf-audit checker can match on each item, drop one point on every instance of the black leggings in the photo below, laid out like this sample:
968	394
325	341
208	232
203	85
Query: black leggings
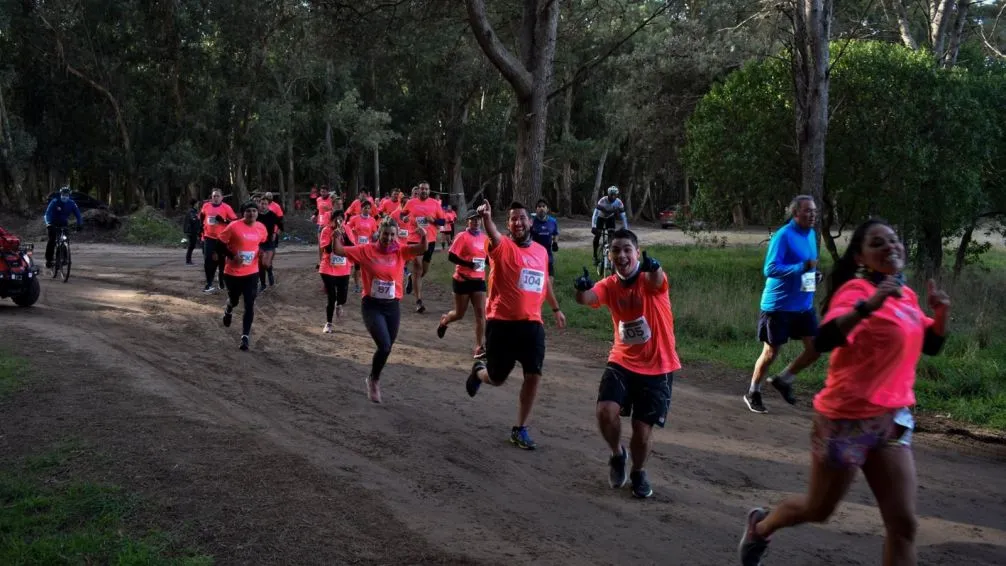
193	240
381	317
337	289
212	267
246	285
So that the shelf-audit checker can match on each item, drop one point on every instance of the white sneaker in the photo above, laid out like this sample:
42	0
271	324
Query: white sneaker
328	328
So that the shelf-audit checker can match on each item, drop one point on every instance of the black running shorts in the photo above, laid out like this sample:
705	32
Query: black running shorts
509	342
468	286
645	398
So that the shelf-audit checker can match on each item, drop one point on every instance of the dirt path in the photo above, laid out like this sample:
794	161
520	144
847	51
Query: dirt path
275	456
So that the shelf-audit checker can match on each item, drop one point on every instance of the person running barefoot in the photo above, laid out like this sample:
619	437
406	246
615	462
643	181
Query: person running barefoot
468	253
518	285
240	242
335	269
381	263
876	331
637	381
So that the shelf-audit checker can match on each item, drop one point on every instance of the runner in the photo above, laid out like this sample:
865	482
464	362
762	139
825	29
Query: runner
323	207
240	243
787	302
876	331
407	236
637	381
273	224
355	207
545	231
192	228
335	269
364	227
447	230
428	215
382	263
518	284
468	253
392	204
215	215
278	211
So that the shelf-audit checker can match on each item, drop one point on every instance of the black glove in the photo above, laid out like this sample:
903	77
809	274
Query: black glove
593	230
555	246
583	282
648	264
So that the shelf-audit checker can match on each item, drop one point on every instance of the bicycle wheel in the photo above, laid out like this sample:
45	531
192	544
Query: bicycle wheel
57	262
66	262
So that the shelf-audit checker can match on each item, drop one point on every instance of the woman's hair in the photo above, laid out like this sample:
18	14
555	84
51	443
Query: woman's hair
388	222
845	269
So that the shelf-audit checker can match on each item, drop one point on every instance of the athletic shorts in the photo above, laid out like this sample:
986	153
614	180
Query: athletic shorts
430	248
468	286
778	327
645	398
847	443
267	246
509	342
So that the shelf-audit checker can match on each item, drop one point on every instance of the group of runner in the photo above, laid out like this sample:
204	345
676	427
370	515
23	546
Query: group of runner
873	327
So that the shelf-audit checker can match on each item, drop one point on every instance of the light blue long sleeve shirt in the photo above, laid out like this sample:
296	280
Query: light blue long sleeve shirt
784	270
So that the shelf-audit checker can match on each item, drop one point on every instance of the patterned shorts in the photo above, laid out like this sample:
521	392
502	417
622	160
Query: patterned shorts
846	443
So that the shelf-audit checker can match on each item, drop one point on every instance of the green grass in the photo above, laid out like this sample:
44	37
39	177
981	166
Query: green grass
148	226
715	293
49	517
14	372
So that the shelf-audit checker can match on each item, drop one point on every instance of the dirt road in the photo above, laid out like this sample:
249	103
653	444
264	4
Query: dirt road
275	456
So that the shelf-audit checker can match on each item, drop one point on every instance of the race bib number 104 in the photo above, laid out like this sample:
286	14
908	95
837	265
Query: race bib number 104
532	280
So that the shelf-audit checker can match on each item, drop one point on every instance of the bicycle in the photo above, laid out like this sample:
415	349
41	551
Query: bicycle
767	240
604	266
61	256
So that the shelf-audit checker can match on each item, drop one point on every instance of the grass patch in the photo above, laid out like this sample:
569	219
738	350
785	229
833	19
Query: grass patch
148	226
14	371
715	295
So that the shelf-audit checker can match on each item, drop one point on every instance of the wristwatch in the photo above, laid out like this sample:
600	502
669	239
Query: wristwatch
863	309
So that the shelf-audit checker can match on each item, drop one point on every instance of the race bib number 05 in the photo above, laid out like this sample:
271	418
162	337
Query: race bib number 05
337	260
634	331
480	263
380	289
531	280
808	282
246	258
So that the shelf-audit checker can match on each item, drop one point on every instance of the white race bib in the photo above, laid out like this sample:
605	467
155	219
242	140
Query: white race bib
211	220
634	331
480	263
421	221
362	240
808	282
403	233
336	260
531	280
380	289
246	258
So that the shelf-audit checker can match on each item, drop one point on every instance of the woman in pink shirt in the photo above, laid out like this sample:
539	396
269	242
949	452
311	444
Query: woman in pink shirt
877	331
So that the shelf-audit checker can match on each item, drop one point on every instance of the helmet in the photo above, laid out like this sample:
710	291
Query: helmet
65	191
613	191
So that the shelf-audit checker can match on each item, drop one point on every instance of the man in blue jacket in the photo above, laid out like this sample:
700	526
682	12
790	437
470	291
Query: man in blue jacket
57	215
545	231
787	302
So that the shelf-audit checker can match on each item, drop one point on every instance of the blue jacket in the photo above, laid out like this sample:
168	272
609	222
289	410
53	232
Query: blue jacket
58	212
542	231
784	269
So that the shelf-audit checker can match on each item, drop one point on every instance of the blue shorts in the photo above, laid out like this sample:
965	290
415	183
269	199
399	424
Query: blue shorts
777	328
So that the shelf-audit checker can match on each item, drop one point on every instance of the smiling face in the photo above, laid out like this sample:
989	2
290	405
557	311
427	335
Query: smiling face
519	224
882	250
473	223
388	235
365	209
217	197
624	255
424	191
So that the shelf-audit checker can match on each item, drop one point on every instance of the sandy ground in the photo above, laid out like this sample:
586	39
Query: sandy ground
275	456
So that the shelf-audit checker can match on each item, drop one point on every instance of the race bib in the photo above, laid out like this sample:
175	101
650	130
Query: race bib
634	331
380	289
246	258
337	260
531	280
211	220
480	263
403	233
362	240
421	221
808	282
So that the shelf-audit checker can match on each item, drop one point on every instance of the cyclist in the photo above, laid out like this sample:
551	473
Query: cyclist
607	209
57	216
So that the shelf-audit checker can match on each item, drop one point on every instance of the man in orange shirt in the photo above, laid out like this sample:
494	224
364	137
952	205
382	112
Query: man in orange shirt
518	285
215	215
240	243
390	205
428	215
641	365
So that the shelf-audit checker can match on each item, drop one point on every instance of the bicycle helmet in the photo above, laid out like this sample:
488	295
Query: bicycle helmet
65	191
613	191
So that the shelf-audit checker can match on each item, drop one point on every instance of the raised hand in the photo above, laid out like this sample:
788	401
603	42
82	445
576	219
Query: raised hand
648	264
888	287
583	282
485	209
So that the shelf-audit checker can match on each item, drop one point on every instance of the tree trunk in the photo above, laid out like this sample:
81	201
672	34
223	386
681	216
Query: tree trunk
827	221
17	198
598	179
565	200
901	12
330	154
958	32
457	149
287	199
962	249
939	18
930	254
377	173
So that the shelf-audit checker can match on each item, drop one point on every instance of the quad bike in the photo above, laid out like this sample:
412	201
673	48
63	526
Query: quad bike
18	272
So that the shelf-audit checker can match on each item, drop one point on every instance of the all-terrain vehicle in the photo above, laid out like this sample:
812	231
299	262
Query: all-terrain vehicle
18	272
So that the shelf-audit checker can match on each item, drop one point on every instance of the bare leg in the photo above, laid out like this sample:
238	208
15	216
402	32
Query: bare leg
528	393
479	304
417	278
890	471
768	355
458	312
828	485
805	359
610	422
639	446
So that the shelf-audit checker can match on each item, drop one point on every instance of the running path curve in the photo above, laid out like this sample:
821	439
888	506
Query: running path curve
436	465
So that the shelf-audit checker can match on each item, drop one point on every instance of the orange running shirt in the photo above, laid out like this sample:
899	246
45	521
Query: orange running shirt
449	218
518	281
643	324
209	212
388	206
276	208
383	272
244	241
332	264
325	208
406	230
356	207
425	213
875	371
364	229
470	247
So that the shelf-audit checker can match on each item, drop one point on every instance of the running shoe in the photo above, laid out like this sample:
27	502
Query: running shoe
474	382
640	487
442	329
752	547
328	328
420	307
209	289
338	311
244	343
753	401
784	388
408	283
479	353
228	313
262	288
521	439
616	469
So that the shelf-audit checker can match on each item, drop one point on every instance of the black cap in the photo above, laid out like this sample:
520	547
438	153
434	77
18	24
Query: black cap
247	205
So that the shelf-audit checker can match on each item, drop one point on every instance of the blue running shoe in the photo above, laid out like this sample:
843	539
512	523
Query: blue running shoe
473	383
521	439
